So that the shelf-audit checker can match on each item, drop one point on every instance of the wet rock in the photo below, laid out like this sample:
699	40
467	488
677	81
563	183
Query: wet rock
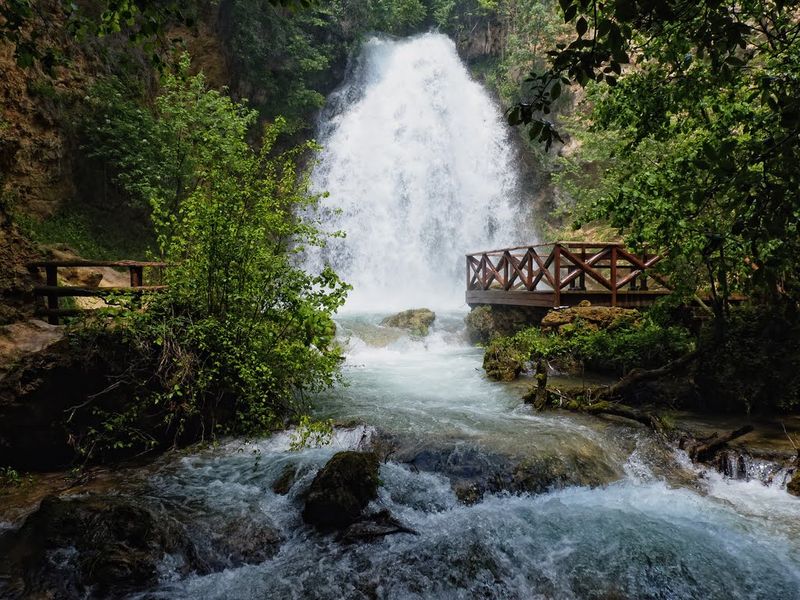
503	361
593	317
92	546
793	487
243	541
285	480
416	320
484	323
474	472
374	527
341	490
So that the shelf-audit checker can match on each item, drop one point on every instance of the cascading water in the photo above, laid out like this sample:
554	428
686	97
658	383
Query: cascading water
506	503
418	163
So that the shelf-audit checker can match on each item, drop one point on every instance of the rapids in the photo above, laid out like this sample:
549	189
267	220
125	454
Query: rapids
419	171
647	525
505	503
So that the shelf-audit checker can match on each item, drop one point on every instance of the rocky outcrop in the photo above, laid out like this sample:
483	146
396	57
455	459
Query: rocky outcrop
474	472
484	323
416	320
341	490
89	547
593	317
503	361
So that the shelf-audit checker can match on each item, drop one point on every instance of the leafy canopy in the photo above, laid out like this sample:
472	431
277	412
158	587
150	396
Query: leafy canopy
702	133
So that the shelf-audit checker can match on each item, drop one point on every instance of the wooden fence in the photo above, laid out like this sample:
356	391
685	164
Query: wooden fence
52	291
564	273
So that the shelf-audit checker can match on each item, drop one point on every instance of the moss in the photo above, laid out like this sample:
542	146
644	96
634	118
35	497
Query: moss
415	320
342	489
503	360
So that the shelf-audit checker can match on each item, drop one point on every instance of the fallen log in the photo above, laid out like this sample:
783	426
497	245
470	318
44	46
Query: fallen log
615	409
702	450
637	376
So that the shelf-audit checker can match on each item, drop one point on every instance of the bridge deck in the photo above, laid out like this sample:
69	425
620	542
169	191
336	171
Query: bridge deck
564	274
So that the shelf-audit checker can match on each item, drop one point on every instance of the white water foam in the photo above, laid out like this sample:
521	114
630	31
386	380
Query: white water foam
419	166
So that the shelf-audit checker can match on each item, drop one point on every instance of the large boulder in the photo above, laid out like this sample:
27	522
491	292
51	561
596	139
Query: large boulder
415	320
89	546
341	490
485	323
593	317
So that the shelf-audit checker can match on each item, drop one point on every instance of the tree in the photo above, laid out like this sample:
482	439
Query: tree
242	333
701	98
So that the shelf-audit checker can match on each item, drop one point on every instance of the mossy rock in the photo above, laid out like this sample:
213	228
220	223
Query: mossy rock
485	323
341	490
109	544
503	362
793	487
415	320
592	317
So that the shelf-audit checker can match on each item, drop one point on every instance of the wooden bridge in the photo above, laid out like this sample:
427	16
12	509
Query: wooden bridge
564	274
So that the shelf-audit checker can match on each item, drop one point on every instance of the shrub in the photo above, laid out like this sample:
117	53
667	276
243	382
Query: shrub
753	363
242	333
627	345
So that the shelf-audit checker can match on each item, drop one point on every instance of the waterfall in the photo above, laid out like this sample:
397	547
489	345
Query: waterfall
420	170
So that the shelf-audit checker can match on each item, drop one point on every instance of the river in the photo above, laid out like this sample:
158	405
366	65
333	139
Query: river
504	502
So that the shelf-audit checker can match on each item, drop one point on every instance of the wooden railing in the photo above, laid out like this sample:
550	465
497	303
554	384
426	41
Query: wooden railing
553	271
52	291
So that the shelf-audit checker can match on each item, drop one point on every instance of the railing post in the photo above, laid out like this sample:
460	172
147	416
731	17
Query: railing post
52	299
557	277
137	276
613	276
643	276
468	273
582	276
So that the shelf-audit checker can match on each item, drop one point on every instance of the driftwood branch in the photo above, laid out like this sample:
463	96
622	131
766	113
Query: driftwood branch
701	450
604	407
637	376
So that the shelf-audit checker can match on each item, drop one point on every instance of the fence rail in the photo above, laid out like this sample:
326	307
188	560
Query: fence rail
52	291
564	273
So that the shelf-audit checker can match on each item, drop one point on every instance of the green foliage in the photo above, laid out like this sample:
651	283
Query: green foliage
705	135
753	365
617	349
124	138
89	234
311	434
10	477
242	335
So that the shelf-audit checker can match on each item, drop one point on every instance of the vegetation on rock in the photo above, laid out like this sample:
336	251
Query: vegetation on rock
415	320
625	341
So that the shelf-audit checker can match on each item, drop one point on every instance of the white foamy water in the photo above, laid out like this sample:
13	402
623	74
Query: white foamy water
418	161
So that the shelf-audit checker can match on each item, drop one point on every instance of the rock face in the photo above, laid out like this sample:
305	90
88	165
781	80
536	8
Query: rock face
503	362
341	490
484	323
416	320
102	543
594	317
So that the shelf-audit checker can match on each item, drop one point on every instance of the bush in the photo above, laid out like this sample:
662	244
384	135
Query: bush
630	344
242	334
753	363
